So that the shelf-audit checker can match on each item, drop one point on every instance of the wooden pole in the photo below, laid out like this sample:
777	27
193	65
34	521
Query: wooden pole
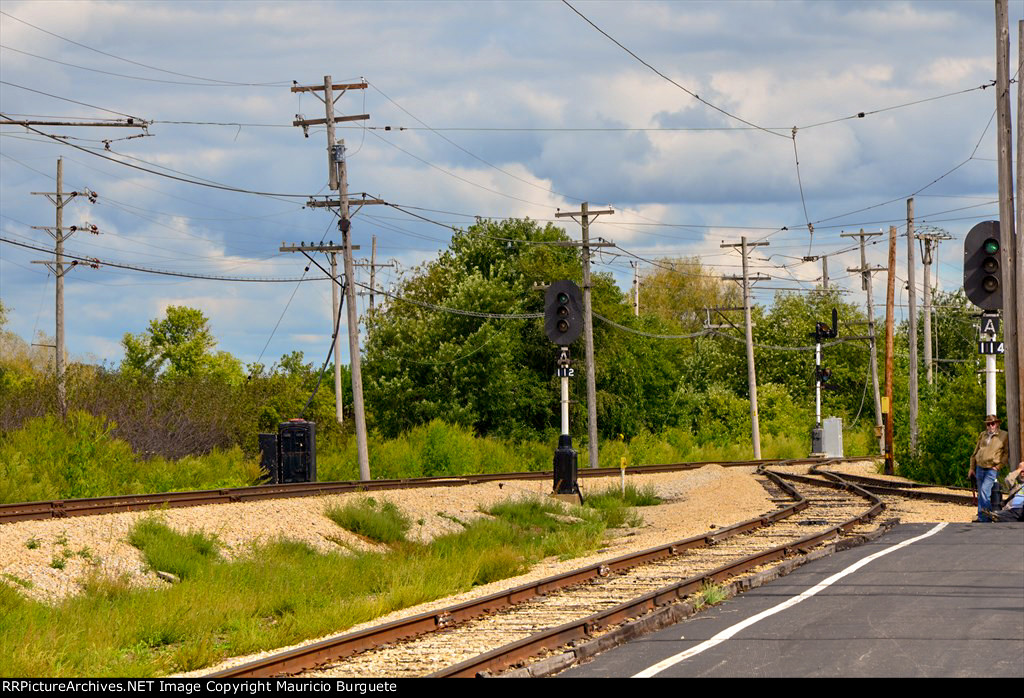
588	332
912	334
890	296
636	288
588	321
755	426
339	413
62	394
338	179
866	283
926	335
355	360
1019	256
1007	228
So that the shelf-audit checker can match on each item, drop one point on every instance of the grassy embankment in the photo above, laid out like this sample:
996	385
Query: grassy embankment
279	593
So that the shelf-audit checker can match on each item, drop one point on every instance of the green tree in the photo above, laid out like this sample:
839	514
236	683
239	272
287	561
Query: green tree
790	322
179	345
680	290
425	362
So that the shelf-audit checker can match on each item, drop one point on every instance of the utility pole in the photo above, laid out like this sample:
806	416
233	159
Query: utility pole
636	288
865	282
755	427
824	268
588	321
338	180
373	272
930	246
890	296
1009	261
1017	347
912	335
59	201
331	249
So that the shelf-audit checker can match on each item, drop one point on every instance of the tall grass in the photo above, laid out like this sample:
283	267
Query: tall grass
280	593
615	504
379	521
79	457
184	555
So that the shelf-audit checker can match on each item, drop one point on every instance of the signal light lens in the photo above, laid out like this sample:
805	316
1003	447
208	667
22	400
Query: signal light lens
563	326
563	298
991	246
563	311
990	284
990	265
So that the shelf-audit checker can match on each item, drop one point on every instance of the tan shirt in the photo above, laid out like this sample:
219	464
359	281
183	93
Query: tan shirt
992	451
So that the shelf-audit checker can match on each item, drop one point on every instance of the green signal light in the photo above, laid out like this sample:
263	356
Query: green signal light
991	246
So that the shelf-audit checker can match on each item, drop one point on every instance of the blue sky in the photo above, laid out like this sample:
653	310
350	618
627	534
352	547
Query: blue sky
496	109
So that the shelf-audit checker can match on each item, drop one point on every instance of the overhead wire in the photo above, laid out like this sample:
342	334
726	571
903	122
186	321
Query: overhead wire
666	77
213	82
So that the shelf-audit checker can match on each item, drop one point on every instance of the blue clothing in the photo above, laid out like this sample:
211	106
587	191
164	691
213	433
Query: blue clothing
986	478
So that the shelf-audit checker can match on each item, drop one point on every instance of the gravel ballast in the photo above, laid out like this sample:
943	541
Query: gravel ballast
46	560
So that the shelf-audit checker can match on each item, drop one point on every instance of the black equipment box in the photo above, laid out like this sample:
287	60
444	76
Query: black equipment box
297	449
268	456
296	440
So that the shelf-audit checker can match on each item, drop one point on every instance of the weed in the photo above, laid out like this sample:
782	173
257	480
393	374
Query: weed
18	580
183	555
382	522
614	504
453	519
58	562
709	595
32	543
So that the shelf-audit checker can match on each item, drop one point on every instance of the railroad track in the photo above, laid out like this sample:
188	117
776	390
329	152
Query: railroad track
890	490
491	634
63	508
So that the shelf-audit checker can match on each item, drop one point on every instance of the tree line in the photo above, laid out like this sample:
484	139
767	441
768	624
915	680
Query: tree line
458	341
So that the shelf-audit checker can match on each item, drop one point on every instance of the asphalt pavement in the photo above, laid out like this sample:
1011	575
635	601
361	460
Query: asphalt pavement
924	600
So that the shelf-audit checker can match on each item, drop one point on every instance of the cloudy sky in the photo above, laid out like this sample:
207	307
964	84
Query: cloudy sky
680	116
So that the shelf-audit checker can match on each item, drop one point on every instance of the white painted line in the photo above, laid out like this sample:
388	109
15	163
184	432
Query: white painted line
731	631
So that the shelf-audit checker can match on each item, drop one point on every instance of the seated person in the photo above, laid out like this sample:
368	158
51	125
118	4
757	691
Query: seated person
1014	508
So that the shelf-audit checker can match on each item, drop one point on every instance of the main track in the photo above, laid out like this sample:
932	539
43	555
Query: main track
574	615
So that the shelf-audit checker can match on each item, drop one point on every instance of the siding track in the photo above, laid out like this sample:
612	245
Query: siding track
62	508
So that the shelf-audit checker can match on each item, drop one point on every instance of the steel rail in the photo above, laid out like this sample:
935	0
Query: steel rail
582	629
307	657
63	508
895	489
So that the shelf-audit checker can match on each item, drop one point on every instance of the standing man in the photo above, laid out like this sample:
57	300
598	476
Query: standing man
991	453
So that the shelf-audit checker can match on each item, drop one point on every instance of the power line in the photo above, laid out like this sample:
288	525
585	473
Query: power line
150	270
665	77
187	180
214	82
65	99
